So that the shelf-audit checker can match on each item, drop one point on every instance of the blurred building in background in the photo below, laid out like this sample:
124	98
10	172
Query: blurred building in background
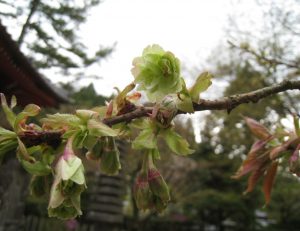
18	77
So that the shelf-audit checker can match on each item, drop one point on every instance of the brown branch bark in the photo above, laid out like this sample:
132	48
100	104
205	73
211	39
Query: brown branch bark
231	102
226	103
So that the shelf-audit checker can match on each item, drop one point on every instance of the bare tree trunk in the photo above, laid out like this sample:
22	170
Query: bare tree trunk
33	7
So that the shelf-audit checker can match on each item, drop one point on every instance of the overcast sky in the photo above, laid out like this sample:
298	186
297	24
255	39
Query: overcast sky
188	28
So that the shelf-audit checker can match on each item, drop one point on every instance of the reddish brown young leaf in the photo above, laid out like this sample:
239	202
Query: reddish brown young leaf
254	177
258	130
246	167
275	152
269	181
259	146
252	161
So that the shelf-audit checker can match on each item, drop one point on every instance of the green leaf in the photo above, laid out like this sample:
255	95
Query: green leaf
35	150
37	168
122	95
23	153
90	142
78	176
6	134
29	110
79	138
60	120
10	115
185	104
85	115
155	154
202	83
184	101
48	157
175	142
69	168
146	139
13	102
7	146
139	123
99	129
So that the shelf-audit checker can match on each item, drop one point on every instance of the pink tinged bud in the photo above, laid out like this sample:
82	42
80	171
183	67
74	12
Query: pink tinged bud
64	198
142	193
69	182
158	185
68	151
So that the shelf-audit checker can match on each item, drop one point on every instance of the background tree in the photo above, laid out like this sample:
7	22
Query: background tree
272	47
47	32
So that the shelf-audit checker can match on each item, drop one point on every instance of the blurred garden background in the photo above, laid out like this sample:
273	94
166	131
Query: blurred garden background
69	54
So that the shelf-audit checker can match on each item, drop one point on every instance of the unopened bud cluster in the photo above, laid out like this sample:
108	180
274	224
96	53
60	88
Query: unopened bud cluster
150	189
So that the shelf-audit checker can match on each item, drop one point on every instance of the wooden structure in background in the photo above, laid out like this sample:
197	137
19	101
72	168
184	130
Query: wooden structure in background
18	77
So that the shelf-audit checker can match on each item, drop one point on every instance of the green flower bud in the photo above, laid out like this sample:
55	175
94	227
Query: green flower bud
150	190
157	72
110	160
68	184
167	111
142	193
158	185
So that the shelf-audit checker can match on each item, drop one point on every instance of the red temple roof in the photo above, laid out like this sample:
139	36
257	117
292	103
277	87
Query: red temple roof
18	77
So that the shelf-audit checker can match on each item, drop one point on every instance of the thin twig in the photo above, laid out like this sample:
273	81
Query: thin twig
270	61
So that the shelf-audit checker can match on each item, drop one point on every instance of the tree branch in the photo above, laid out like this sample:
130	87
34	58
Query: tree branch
226	103
270	61
231	102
